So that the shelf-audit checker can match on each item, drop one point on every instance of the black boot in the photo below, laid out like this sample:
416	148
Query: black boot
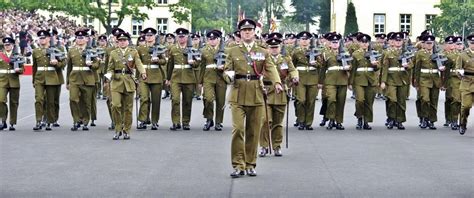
296	124
117	135
174	127
400	126
75	126
218	127
331	125
323	121
390	124
454	126
37	127
431	125
56	124
154	126
48	127
93	123
301	126
12	127
359	124
447	123
424	123
367	126
462	129
141	126
209	123
339	126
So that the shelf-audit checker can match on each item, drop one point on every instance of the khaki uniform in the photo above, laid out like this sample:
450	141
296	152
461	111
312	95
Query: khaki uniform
9	85
307	88
452	104
364	81
183	79
46	80
106	87
276	105
81	80
396	79
122	86
466	61
214	85
150	89
335	83
429	82
247	102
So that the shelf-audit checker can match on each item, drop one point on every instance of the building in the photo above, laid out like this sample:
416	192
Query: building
159	18
383	16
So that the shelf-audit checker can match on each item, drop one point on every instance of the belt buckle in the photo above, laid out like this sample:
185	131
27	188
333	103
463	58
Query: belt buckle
123	71
247	77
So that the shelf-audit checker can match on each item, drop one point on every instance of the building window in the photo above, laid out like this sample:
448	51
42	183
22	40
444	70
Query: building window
162	1
137	26
162	25
88	21
429	20
114	23
405	23
379	23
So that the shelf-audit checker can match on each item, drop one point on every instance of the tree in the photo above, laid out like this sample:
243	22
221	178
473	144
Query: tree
287	25
351	20
203	15
325	16
306	11
454	16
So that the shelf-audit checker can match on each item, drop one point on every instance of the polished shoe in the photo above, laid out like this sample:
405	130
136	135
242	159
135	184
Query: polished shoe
141	126
199	98
154	126
117	135
237	173
296	124
323	122
387	121
400	126
367	126
126	136
454	126
178	126
251	172
359	124
85	128
209	123
309	127
4	125
147	122
218	127
80	123
112	126
263	152
431	125
37	127
390	124
447	123
301	126
174	127
56	124
43	124
186	127
75	127
93	123
48	127
277	152
424	123
462	130
12	127
339	126
331	125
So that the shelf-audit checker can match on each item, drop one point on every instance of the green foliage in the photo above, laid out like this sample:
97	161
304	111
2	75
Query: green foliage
203	15
305	12
287	25
351	20
452	19
325	16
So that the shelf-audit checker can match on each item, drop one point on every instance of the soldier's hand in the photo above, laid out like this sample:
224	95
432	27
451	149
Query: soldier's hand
89	63
320	86
375	63
278	88
312	63
442	68
405	65
191	62
382	85
295	81
53	62
144	76
154	59
348	67
349	87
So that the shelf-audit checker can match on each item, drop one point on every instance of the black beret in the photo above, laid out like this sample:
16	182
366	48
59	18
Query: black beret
246	24
428	38
8	40
115	31
214	34
141	38
194	35
363	38
334	37
181	31
43	33
470	38
304	34
275	35
396	36
237	33
273	42
290	35
102	37
81	33
458	39
169	35
450	39
123	36
149	30
381	36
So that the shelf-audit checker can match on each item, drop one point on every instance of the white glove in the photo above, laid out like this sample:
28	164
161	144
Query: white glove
108	76
461	72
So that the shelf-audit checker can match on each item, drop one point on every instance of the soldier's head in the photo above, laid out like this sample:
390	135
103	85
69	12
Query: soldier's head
449	43
304	38
141	41
274	46
81	37
334	40
213	37
102	40
170	38
43	37
290	39
236	36
247	30
182	35
428	42
458	43
150	35
470	41
380	38
8	43
363	40
123	39
396	39
196	38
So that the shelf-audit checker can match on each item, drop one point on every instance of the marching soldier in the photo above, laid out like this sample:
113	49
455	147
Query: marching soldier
169	41
428	81
213	82
465	66
102	41
80	79
196	40
122	63
451	82
150	89
307	88
276	101
335	79
9	84
182	79
59	71
324	100
45	81
246	99
93	96
107	92
363	80
395	80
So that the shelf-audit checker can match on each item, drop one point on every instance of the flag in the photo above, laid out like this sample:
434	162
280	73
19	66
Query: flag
241	15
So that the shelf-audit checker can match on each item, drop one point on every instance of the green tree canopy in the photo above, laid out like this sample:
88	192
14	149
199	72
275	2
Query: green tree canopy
454	16
351	20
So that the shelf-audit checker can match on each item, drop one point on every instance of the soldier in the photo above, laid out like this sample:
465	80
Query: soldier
428	82
107	92
80	79
451	82
363	80
196	37
276	101
465	66
93	98
335	79
307	89
9	84
45	80
182	79
170	40
394	80
141	41
324	100
102	47
59	71
378	46
122	62
247	62
150	89
212	81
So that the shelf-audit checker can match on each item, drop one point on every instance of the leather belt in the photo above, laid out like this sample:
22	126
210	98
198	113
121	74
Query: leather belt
122	71
46	69
152	67
81	68
7	71
335	68
211	66
305	68
182	67
429	71
246	77
396	69
365	69
468	73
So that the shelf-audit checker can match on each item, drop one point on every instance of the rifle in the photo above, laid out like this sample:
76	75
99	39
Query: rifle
343	56
90	54
157	48
191	53
220	56
283	50
437	56
313	52
406	55
17	60
372	54
54	53
385	44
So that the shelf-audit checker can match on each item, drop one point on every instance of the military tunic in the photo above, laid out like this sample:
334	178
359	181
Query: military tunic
465	61
9	86
451	81
429	82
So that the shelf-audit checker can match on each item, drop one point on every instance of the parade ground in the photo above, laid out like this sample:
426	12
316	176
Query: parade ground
196	163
